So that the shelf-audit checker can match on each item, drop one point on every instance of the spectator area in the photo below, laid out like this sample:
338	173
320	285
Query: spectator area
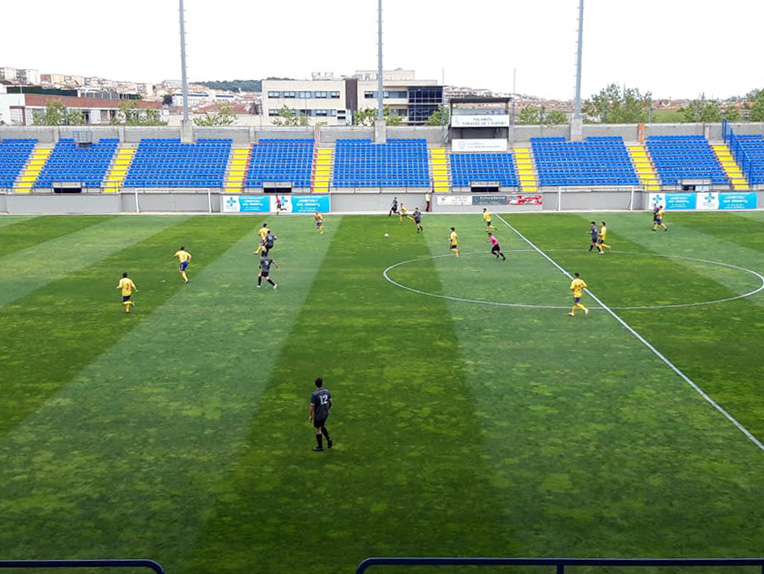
467	168
685	157
14	154
754	149
72	164
397	163
169	163
596	161
281	160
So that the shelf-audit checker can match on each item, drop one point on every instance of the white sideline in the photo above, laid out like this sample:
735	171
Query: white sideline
642	340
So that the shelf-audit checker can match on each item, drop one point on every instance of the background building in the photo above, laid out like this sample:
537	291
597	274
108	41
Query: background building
333	101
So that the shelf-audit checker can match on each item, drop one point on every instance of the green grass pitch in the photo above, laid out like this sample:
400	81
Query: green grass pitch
472	417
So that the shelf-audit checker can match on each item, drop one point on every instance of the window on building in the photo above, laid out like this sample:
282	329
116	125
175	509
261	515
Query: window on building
290	94
334	95
274	94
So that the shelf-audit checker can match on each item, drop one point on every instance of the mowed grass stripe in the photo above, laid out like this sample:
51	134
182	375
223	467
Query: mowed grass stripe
600	449
406	475
90	239
128	457
718	346
24	232
52	334
6	220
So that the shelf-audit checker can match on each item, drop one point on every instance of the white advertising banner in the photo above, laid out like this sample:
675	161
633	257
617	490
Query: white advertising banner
454	199
480	121
479	145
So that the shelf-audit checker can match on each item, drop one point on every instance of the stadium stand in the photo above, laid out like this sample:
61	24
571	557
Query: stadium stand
14	154
596	161
754	149
281	160
397	163
467	168
85	165
685	157
169	163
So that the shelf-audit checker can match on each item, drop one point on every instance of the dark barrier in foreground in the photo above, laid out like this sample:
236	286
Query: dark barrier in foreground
39	564
561	563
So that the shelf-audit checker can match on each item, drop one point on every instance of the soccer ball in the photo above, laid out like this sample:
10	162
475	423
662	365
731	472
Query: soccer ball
386	235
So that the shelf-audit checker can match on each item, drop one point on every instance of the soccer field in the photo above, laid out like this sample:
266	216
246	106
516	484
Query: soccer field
472	416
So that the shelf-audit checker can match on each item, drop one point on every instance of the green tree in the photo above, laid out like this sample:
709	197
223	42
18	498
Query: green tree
732	114
129	114
555	118
438	117
57	114
224	116
701	110
757	108
289	117
538	115
368	116
614	105
529	116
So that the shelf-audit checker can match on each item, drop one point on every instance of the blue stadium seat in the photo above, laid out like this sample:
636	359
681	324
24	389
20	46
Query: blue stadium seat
397	163
281	160
598	161
685	157
85	165
467	168
14	154
753	145
170	163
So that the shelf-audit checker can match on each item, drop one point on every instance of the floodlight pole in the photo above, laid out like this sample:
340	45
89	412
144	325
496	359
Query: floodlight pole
380	84
183	61
579	57
186	132
577	123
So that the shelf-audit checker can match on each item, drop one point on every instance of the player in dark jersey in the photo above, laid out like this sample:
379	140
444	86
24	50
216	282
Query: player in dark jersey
265	270
594	231
417	218
393	207
268	241
320	403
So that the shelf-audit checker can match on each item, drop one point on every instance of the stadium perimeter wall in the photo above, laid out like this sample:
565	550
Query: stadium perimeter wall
203	202
328	135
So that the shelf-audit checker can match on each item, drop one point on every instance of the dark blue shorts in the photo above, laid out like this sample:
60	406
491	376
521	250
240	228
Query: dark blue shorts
576	299
125	298
318	423
183	265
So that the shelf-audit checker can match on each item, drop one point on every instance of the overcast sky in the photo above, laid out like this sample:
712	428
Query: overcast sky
672	48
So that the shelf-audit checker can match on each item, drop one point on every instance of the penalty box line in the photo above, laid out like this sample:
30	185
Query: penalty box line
642	340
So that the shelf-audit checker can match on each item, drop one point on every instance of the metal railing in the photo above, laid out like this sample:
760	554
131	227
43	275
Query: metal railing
561	563
746	163
39	564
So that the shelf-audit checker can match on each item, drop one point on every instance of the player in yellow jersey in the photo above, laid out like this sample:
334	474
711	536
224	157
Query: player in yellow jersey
402	212
262	232
184	258
453	241
127	286
602	237
487	218
577	287
319	222
658	218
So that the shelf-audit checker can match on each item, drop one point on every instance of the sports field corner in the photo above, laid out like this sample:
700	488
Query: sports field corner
472	416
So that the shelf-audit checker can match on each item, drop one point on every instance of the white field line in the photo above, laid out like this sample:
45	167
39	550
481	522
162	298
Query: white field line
642	340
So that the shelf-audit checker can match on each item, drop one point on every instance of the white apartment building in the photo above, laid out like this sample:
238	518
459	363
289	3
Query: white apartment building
334	101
